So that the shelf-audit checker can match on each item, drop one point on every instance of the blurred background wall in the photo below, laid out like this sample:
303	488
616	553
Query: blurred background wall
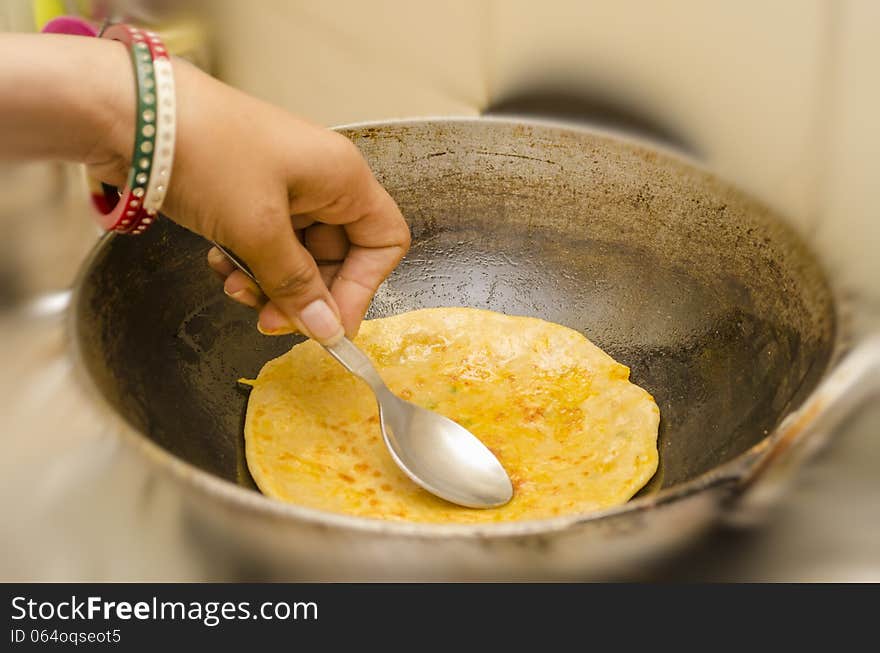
779	97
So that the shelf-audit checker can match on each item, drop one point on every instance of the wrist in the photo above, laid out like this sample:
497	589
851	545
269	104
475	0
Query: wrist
109	118
113	117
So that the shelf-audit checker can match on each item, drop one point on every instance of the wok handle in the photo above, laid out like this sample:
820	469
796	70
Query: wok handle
852	382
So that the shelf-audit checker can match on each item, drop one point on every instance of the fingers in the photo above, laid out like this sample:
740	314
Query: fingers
236	284
329	247
379	241
327	178
300	222
382	225
326	242
242	289
288	275
329	272
358	280
377	235
338	230
219	262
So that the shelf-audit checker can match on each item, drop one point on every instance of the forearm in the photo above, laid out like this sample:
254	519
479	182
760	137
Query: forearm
64	97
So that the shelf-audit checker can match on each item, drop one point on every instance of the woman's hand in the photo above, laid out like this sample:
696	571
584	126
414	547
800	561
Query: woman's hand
297	202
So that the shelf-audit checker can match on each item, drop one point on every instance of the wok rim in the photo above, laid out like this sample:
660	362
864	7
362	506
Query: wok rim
731	472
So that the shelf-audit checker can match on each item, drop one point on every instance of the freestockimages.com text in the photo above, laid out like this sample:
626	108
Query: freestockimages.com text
208	613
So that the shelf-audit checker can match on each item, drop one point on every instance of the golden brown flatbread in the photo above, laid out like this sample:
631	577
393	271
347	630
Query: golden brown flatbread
561	415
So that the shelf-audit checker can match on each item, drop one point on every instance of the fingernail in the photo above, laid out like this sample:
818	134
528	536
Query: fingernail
243	296
320	321
282	331
273	322
215	256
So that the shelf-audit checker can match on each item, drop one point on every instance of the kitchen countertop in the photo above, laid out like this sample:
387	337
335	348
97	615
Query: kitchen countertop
79	506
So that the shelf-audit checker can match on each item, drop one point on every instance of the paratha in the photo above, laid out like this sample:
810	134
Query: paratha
572	431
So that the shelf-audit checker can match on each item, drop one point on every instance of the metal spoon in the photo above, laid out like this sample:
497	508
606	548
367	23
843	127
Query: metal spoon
436	453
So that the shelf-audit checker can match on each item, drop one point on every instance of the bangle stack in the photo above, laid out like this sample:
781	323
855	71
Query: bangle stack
133	209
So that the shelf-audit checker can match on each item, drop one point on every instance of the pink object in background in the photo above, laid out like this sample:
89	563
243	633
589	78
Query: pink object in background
70	25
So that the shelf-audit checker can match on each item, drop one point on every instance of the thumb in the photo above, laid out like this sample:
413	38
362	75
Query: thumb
289	276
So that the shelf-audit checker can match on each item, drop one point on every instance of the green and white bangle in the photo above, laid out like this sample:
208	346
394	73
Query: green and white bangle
154	128
164	132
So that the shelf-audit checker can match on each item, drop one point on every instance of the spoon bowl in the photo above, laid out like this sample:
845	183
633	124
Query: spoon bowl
438	454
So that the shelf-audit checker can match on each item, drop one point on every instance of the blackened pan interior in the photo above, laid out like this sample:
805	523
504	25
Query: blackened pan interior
717	308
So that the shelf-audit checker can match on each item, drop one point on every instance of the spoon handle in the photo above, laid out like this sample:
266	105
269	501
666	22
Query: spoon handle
352	358
345	351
